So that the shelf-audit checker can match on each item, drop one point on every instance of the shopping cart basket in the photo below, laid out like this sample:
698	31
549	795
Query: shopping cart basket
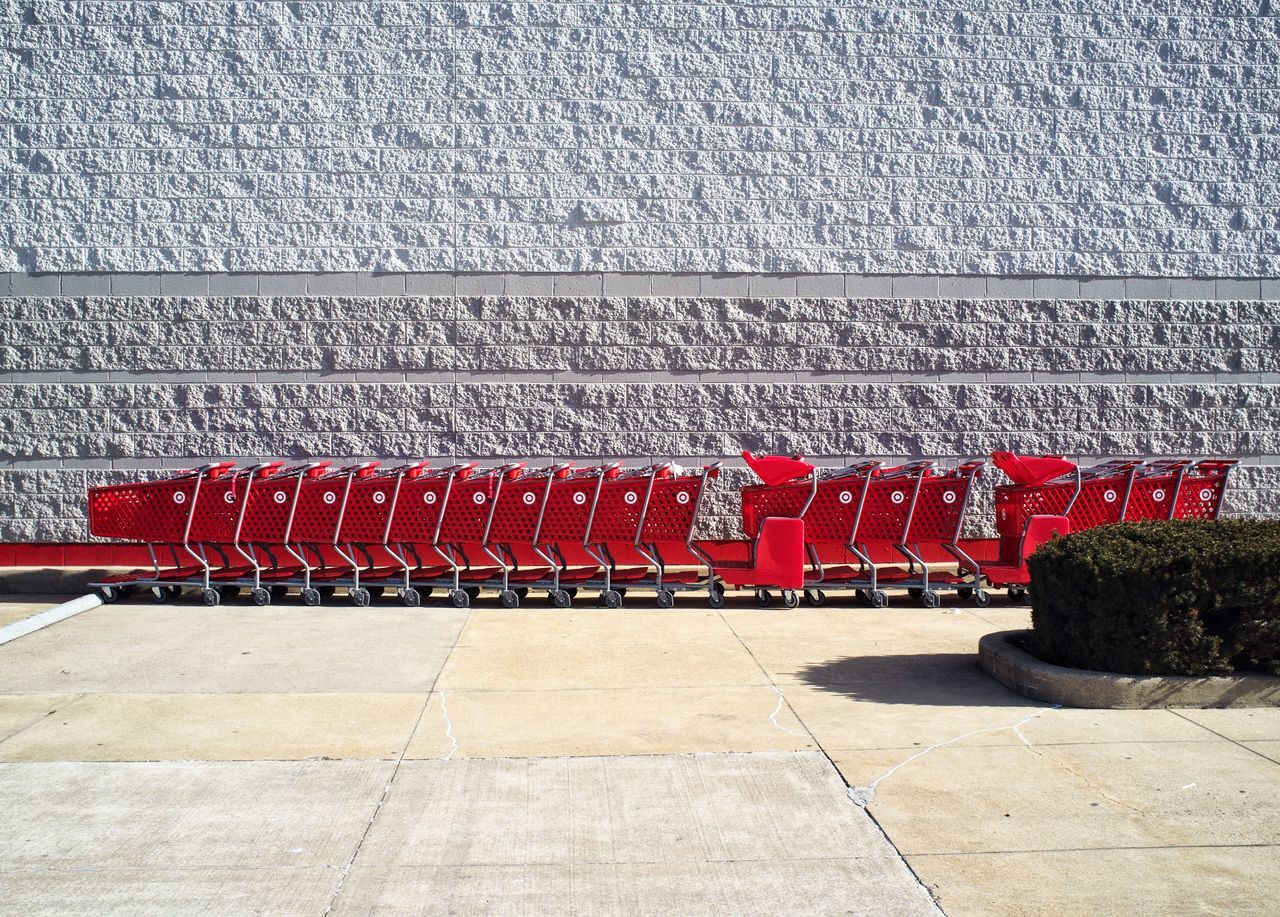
157	514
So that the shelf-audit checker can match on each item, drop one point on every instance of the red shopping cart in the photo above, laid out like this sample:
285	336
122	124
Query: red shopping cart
561	537
640	514
518	505
416	527
266	528
1203	488
157	514
313	536
829	502
364	533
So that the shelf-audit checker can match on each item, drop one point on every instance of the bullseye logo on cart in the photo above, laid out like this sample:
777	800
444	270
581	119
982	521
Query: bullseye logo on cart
846	497
948	496
477	498
379	497
682	497
428	498
278	496
898	496
1109	496
579	498
330	497
229	497
631	497
528	499
179	497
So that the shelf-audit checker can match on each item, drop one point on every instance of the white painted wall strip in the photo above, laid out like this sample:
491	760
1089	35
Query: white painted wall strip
49	616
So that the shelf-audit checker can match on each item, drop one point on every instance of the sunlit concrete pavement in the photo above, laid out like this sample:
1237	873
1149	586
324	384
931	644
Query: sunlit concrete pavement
290	760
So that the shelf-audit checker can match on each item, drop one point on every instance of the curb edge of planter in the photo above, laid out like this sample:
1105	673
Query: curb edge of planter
1019	671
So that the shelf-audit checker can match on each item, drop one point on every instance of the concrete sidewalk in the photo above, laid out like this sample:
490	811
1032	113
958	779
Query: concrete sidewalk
292	760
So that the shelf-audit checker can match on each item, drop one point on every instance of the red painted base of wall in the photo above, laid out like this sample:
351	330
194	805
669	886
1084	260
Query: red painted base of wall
125	555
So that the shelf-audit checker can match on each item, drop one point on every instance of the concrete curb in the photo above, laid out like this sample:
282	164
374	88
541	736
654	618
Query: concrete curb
43	619
1019	671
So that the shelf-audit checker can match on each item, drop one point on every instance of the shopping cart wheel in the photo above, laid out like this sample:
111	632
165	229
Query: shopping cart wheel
666	598
359	596
260	596
815	597
915	593
411	597
522	592
279	593
964	593
460	598
982	598
509	598
864	597
310	596
560	598
930	599
764	598
790	598
879	598
715	598
108	594
174	591
611	598
159	594
1017	595
210	596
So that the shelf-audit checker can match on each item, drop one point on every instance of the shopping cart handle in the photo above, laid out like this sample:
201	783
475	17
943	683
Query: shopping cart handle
712	470
315	469
777	469
215	469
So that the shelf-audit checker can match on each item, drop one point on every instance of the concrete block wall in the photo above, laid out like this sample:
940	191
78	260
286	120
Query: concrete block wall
1069	138
111	385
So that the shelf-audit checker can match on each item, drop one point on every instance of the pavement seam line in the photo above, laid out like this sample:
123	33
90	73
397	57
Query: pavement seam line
773	717
1238	742
36	722
897	853
863	795
386	790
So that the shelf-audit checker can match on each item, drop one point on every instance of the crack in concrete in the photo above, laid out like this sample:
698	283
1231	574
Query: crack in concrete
863	795
448	729
773	717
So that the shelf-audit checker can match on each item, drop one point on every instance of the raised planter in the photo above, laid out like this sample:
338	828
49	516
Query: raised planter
1018	670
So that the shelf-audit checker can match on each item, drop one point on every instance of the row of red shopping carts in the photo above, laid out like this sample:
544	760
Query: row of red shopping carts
462	529
868	527
411	528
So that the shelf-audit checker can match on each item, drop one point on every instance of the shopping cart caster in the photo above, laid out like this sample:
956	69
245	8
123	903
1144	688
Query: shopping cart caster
411	597
522	592
210	596
159	594
982	598
279	593
764	598
611	598
964	593
460	598
879	598
815	597
790	598
509	598
715	598
864	597
930	599
666	598
359	596
108	594
1018	595
260	596
473	592
560	598
915	593
310	596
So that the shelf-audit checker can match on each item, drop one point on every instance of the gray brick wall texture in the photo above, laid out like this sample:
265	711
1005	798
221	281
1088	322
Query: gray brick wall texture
1065	137
100	388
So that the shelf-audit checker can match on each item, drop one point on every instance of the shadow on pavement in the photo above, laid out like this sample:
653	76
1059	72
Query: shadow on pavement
919	679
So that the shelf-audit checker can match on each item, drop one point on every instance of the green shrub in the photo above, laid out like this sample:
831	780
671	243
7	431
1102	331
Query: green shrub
1160	598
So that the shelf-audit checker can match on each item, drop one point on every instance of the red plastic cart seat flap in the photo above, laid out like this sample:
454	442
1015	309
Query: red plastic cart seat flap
777	469
1032	470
